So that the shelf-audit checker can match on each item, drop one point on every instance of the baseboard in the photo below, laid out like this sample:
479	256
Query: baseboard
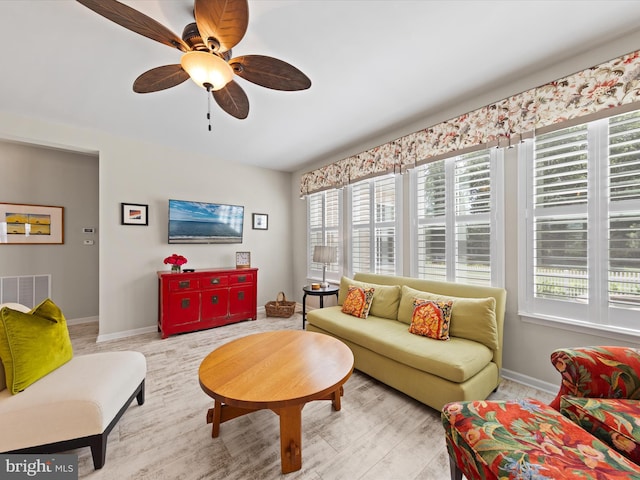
78	321
131	333
551	388
127	333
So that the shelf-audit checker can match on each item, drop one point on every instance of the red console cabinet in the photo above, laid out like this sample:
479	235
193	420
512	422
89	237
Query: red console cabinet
205	298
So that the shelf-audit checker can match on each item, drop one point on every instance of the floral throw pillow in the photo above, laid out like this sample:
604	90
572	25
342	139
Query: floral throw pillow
358	301
431	319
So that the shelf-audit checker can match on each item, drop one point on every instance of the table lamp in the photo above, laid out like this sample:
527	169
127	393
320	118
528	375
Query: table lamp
325	255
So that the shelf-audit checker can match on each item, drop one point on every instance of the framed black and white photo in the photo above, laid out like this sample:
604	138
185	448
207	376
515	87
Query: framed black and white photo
135	214
260	221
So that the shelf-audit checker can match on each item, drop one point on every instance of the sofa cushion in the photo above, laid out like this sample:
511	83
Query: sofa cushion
20	308
431	319
32	344
526	439
76	400
386	298
456	360
358	301
614	421
471	318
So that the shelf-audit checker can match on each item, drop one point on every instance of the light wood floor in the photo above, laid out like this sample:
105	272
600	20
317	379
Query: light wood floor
379	434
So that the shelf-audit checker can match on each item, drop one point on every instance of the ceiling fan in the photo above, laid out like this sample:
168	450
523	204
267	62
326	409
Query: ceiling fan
206	46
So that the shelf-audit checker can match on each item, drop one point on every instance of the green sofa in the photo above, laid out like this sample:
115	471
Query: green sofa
434	372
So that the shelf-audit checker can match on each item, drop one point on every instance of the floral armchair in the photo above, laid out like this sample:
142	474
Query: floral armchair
600	391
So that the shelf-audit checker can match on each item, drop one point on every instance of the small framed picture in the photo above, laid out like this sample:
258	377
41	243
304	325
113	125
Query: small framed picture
260	221
135	214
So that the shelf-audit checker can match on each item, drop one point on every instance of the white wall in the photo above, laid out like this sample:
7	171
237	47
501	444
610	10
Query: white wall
136	172
527	346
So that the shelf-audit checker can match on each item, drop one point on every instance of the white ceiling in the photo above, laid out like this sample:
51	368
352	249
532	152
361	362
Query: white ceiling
375	65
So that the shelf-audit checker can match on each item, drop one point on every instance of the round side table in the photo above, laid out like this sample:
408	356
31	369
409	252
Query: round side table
321	292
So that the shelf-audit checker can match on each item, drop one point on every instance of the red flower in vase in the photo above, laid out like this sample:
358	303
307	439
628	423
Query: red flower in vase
175	259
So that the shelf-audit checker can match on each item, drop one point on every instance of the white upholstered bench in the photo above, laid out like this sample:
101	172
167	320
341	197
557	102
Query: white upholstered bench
76	405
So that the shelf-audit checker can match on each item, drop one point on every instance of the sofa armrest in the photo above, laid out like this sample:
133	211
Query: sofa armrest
597	372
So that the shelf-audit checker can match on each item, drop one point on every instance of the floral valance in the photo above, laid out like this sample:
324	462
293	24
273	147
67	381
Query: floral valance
571	99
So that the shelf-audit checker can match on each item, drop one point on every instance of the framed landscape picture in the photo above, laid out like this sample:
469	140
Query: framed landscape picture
135	214
24	224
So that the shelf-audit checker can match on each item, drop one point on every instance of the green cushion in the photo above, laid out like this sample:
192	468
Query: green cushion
456	360
471	318
21	308
33	344
386	298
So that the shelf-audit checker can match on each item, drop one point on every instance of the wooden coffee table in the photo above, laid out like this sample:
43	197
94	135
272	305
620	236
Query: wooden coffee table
280	371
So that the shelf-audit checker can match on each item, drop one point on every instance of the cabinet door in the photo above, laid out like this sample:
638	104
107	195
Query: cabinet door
184	307
214	304
241	301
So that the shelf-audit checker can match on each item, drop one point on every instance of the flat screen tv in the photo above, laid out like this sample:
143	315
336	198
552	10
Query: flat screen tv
200	222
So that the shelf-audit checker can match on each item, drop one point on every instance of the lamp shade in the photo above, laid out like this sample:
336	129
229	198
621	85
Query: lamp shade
206	68
325	254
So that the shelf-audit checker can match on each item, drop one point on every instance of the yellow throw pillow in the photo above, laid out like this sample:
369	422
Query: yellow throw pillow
471	318
386	298
431	319
33	344
358	301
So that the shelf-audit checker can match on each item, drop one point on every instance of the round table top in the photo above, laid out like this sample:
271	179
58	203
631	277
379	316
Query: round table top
331	289
276	369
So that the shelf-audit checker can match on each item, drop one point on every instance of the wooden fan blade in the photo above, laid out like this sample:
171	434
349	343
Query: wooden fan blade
160	78
135	21
223	20
232	100
269	72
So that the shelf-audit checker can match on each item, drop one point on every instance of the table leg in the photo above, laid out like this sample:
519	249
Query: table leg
291	438
214	417
335	400
304	309
223	413
321	301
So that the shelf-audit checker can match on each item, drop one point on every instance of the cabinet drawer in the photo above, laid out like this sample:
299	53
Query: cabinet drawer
178	285
214	281
241	278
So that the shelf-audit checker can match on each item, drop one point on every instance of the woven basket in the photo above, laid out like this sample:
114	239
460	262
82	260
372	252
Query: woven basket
280	308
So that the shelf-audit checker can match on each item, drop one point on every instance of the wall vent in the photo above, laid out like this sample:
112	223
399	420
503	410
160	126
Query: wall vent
29	290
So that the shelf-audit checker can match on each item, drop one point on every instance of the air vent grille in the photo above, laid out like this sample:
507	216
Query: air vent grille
29	290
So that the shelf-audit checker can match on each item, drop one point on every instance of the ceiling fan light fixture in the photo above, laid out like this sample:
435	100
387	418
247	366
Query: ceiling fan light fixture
206	68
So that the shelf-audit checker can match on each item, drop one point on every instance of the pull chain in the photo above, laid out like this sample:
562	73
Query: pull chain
208	85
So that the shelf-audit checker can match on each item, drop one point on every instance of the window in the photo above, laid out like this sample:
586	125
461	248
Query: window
623	268
374	225
324	214
458	233
582	240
